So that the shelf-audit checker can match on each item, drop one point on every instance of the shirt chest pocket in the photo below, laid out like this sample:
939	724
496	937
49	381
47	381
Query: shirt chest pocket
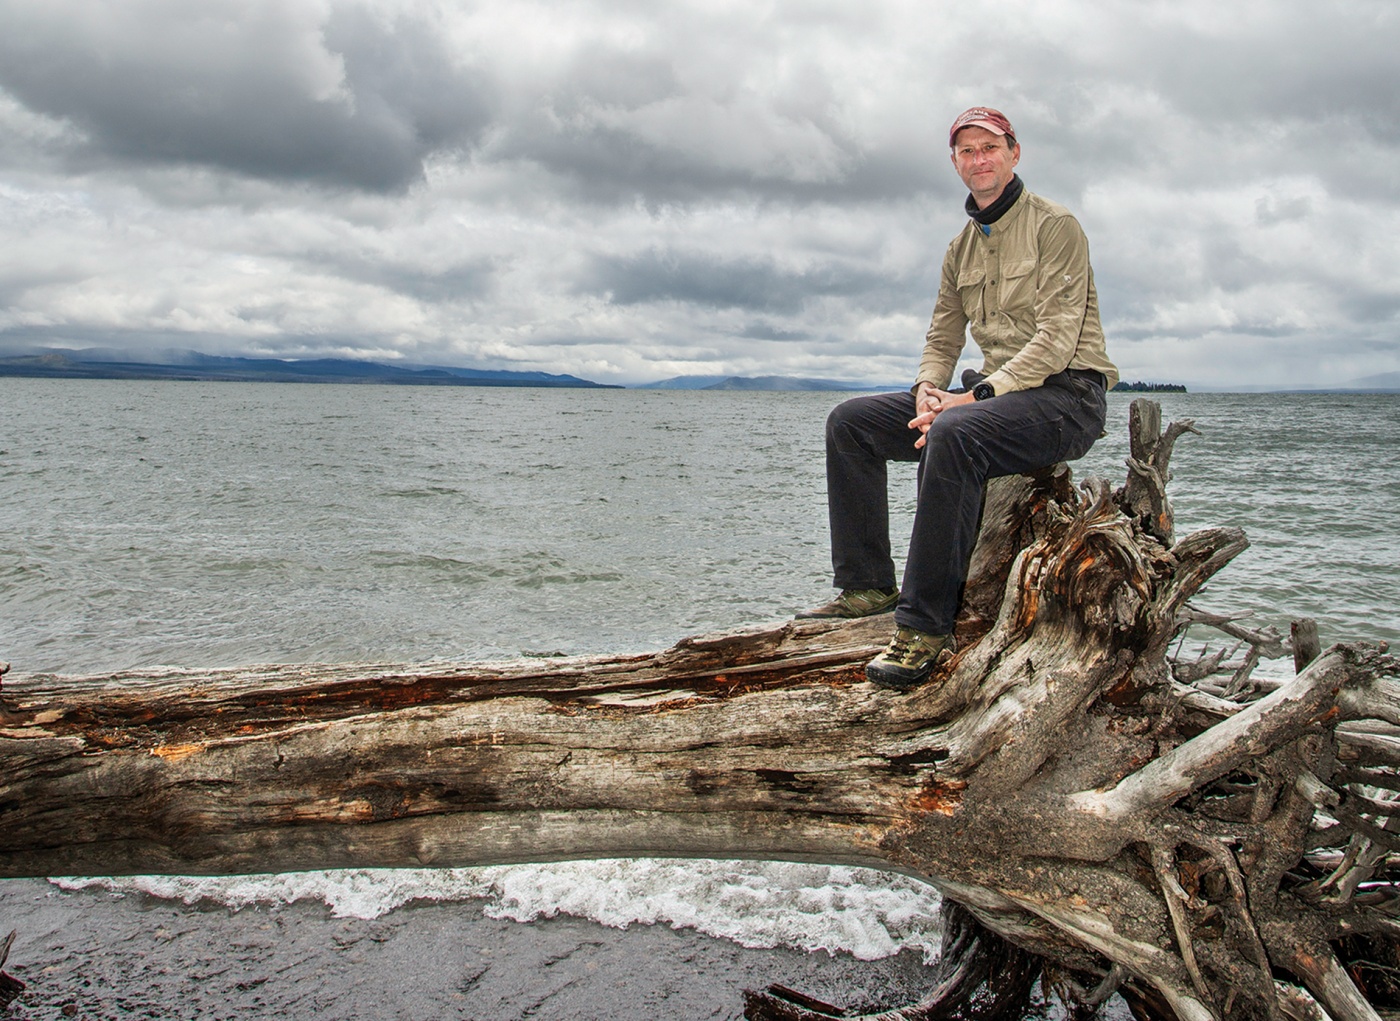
972	284
1016	288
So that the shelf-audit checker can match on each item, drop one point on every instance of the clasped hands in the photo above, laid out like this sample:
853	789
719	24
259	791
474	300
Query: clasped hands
929	403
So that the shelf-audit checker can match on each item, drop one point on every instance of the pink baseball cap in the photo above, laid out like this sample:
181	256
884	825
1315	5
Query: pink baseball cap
982	117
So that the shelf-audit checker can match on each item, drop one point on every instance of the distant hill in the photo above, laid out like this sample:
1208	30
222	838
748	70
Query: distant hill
73	365
681	383
1384	382
757	383
777	383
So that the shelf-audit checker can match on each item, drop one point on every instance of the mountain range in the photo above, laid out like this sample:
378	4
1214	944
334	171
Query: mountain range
99	363
757	383
194	366
190	365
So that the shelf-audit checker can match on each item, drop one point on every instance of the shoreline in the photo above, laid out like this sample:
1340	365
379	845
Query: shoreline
98	955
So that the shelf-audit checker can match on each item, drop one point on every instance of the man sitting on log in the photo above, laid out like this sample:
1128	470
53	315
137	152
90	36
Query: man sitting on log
1018	275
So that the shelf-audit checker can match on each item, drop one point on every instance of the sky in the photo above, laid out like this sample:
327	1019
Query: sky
638	189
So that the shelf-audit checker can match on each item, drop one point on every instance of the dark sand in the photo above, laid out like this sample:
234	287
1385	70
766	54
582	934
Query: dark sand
91	954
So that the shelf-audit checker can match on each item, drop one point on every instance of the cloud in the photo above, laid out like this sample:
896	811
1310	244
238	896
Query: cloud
631	190
756	285
294	90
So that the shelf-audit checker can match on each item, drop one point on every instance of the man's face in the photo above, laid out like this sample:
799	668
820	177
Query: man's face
985	163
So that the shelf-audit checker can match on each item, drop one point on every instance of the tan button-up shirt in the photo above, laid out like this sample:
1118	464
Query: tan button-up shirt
1026	290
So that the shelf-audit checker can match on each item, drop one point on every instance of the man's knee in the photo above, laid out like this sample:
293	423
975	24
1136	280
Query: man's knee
853	419
840	415
839	430
954	433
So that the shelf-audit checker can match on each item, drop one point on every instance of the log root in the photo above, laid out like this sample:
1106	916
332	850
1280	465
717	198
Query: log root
10	987
979	977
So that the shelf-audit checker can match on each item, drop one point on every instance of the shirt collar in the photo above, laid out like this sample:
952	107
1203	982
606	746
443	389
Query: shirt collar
986	217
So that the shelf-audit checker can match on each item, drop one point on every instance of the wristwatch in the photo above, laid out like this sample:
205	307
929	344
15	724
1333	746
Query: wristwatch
983	392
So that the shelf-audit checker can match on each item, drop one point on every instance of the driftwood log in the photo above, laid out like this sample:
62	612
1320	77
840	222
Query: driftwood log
10	987
1205	843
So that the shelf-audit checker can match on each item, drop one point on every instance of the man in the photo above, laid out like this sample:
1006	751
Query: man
1018	277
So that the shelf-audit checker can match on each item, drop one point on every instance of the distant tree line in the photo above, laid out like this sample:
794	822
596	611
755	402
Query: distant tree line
1149	388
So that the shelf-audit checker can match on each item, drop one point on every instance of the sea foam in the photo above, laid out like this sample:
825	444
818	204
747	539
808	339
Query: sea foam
865	913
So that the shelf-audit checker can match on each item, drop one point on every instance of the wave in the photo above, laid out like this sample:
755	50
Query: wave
759	905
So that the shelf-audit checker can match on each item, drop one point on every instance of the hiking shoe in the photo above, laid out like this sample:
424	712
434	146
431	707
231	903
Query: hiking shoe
907	660
855	602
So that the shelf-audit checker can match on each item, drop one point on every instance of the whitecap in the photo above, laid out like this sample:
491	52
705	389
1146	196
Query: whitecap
863	912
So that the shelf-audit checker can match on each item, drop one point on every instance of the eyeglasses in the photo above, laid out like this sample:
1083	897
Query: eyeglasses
985	149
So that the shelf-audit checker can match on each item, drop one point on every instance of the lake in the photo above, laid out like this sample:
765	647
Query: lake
208	524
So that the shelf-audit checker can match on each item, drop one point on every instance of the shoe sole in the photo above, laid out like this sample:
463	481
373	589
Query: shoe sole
815	615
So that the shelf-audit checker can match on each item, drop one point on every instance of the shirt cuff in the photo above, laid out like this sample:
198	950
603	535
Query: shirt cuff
1002	382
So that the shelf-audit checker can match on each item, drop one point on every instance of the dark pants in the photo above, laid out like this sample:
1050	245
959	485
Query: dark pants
1009	434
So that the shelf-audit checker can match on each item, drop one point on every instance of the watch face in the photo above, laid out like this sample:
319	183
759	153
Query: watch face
983	391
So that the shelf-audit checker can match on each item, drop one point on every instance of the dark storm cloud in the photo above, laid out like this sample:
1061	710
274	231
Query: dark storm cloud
664	121
462	282
462	279
1330	107
1378	308
1258	89
765	331
756	285
260	90
17	282
342	95
606	163
1306	63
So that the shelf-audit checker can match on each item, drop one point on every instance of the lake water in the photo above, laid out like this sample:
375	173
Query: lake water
201	524
198	524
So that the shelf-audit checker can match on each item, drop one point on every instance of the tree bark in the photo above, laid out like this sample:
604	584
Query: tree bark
1053	778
